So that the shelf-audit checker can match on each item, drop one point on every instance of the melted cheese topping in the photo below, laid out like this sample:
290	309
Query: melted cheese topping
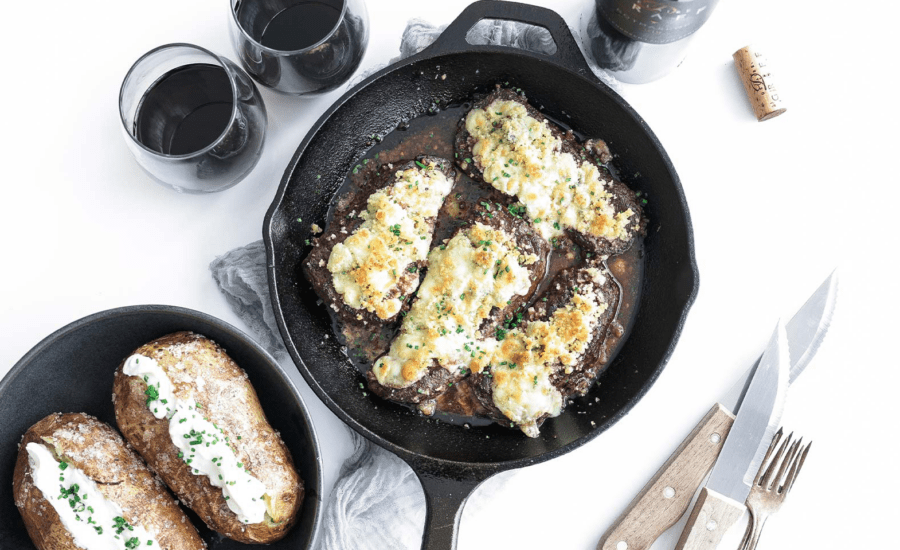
477	270
523	361
370	265
519	155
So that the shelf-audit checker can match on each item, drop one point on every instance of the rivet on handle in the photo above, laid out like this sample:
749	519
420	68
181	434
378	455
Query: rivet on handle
668	492
715	438
622	545
711	525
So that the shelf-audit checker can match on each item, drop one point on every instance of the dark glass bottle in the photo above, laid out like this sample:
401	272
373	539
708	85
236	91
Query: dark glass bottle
640	41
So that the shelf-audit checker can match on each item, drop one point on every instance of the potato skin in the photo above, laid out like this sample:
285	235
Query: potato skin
229	400
97	450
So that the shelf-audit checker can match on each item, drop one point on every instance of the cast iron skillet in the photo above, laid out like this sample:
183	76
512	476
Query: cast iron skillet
72	371
449	460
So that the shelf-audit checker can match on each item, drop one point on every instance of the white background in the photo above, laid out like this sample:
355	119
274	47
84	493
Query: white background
775	206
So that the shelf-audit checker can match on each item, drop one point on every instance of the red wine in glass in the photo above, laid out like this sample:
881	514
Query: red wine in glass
300	47
186	110
194	120
300	26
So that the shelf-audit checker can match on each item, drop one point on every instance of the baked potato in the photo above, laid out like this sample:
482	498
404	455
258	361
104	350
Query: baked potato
77	486
193	415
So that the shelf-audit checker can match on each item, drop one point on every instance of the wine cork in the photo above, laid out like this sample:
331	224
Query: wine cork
758	83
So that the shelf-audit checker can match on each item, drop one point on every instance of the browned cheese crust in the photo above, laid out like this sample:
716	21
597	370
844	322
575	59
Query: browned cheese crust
229	401
495	213
346	220
595	357
594	151
121	476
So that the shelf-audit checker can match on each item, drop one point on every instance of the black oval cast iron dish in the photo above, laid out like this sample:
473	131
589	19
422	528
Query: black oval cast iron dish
72	371
449	459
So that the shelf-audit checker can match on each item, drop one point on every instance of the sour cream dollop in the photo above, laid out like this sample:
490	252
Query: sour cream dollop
94	521
202	444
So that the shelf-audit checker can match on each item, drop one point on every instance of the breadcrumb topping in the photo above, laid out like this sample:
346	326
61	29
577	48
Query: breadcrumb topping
374	268
477	270
519	155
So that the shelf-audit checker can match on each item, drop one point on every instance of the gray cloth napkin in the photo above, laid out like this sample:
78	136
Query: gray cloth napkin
241	276
374	489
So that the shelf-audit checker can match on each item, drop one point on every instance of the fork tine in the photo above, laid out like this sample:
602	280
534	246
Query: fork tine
769	491
778	483
795	469
770	470
762	467
791	473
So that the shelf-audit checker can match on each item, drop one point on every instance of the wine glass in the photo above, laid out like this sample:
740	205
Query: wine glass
194	120
300	47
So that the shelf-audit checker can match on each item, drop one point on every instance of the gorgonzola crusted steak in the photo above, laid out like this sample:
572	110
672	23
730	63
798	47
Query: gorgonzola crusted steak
488	269
365	266
562	183
554	351
475	315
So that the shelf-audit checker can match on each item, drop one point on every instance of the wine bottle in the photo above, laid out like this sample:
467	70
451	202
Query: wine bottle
639	41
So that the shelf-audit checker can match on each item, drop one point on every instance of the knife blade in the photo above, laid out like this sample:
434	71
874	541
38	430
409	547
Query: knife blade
667	496
721	501
805	331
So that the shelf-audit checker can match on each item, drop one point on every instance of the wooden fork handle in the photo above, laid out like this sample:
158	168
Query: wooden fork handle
666	497
712	517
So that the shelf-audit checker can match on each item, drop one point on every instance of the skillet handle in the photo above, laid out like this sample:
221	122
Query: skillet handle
445	498
568	55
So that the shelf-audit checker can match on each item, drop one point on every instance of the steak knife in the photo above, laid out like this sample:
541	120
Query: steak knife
666	497
721	502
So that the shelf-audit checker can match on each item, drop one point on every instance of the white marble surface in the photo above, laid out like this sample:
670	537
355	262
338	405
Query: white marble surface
775	206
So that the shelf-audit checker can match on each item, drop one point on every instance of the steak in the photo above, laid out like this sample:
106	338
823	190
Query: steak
371	250
488	269
554	352
564	185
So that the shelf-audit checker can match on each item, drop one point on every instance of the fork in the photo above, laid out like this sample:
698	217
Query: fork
772	484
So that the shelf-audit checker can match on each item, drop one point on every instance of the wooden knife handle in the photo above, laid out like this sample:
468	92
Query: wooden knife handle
712	516
666	497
